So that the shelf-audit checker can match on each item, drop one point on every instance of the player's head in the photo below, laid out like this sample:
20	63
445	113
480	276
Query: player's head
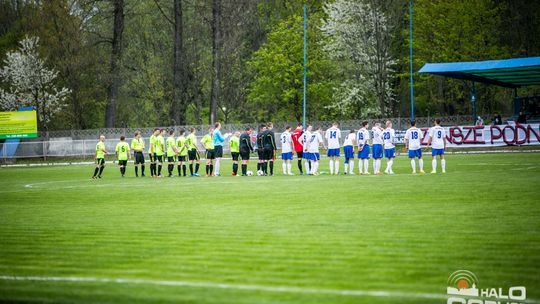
210	130
236	133
156	131
269	125
309	127
299	126
217	125
365	124
137	134
438	121
102	137
162	131
388	124
171	133
182	132
192	130
262	127
377	125
353	131
248	130
413	123
122	138
335	124
287	128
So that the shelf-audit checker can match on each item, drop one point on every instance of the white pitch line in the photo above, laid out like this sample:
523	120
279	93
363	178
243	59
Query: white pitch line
277	289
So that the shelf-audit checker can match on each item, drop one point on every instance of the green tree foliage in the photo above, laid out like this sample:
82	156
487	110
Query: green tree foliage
261	58
277	88
452	30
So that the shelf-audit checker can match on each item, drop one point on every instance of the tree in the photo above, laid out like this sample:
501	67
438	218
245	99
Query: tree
276	91
116	54
359	39
216	59
469	31
179	106
30	83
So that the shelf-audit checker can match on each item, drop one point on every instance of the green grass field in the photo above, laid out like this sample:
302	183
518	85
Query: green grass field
300	239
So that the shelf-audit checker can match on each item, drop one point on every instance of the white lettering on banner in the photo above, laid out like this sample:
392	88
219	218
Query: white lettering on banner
485	136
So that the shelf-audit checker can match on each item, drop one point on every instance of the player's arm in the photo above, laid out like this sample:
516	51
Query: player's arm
406	140
444	140
183	148
291	142
248	143
429	139
273	137
358	144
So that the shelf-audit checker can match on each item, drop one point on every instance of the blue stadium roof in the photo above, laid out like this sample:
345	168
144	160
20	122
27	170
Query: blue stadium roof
512	73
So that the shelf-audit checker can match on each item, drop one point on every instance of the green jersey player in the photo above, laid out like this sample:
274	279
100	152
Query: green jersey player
122	152
100	157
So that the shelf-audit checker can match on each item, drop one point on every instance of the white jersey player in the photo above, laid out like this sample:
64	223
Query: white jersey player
305	144
437	140
314	141
286	151
348	150
363	148
377	150
332	136
413	138
389	136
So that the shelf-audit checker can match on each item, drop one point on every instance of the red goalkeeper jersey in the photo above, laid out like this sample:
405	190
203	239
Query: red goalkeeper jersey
295	137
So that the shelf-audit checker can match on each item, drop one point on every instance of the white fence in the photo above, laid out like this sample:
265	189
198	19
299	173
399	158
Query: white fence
82	143
399	123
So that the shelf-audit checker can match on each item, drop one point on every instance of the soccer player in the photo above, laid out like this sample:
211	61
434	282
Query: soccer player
137	145
234	144
389	136
159	152
314	141
245	149
218	139
348	150
122	152
377	150
437	140
193	153
172	151
298	147
332	136
260	147
413	145
303	140
362	138
100	157
286	151
152	152
182	146
208	143
269	149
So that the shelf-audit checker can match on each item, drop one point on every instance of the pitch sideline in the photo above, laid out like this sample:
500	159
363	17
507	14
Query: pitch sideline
276	289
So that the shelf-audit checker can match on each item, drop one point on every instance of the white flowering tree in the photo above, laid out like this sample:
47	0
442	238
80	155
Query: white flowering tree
26	81
359	40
